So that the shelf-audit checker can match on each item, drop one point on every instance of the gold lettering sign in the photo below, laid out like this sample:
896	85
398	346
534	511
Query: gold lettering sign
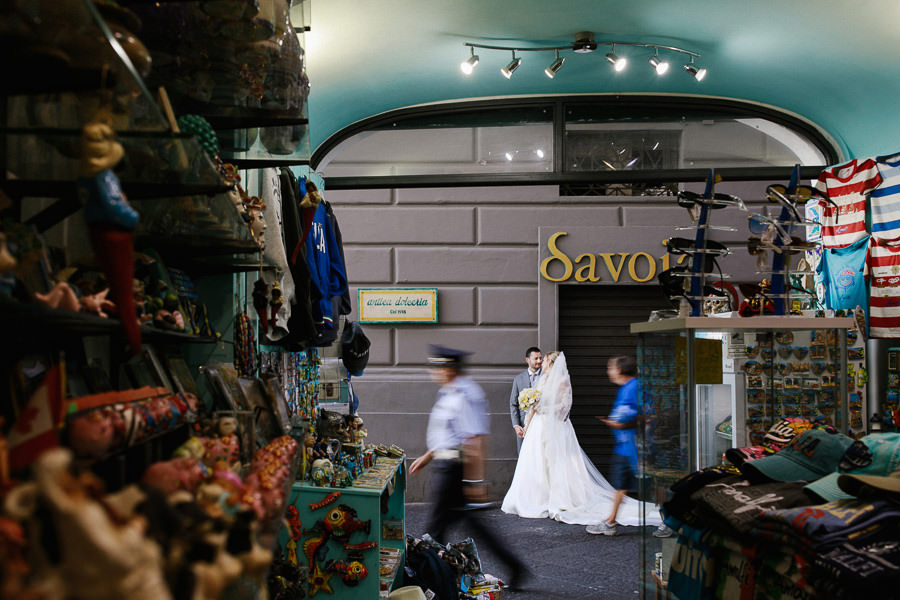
620	267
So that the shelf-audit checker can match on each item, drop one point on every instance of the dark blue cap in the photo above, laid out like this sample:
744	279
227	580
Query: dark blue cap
441	356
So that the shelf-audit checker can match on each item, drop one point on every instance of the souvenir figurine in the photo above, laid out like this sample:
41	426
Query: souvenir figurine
91	434
255	207
351	573
61	296
176	474
315	548
7	261
261	303
342	521
111	220
102	558
276	303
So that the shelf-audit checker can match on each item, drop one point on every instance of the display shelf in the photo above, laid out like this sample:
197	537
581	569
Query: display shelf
730	323
36	324
224	264
156	163
264	163
178	249
382	516
239	117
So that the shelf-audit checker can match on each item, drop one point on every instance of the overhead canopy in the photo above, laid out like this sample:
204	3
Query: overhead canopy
832	62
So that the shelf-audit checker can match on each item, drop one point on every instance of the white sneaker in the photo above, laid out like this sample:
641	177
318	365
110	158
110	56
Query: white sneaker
663	531
602	528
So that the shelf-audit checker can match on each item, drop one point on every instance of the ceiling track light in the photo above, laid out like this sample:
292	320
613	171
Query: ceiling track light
661	66
618	62
468	65
556	66
584	43
509	69
698	72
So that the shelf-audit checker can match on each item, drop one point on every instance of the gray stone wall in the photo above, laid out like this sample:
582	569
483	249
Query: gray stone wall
481	247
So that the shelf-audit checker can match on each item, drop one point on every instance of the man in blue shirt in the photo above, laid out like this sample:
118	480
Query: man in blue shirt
622	420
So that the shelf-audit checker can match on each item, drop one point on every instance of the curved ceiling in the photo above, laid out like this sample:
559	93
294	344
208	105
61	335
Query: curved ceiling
832	62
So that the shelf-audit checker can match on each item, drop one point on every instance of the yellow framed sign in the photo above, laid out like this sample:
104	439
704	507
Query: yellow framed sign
397	305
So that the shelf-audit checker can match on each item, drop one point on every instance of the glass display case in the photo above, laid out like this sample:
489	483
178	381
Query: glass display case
709	384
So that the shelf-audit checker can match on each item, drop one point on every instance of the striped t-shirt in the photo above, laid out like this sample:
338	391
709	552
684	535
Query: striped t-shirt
847	186
885	199
883	265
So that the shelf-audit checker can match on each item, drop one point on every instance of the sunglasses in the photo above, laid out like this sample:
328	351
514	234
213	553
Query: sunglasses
688	199
790	199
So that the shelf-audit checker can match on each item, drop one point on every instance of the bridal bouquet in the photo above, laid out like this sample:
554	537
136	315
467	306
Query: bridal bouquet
528	398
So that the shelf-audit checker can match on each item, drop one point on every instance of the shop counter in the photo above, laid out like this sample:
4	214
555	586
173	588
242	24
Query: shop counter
351	539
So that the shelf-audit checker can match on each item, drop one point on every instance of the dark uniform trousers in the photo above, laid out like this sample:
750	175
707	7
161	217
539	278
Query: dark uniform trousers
447	509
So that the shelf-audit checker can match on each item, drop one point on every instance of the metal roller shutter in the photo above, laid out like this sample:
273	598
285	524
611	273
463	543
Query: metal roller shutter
594	323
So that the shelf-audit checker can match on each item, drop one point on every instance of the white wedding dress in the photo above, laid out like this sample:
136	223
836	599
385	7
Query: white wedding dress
554	477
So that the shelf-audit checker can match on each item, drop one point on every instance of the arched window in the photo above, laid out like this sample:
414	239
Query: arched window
574	141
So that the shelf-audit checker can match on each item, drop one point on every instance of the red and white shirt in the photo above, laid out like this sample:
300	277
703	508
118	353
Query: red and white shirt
847	186
883	266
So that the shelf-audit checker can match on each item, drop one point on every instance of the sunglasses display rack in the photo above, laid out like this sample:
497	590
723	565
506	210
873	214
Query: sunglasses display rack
779	235
691	284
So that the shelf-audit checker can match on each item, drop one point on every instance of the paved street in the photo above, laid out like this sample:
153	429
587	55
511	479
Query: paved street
565	561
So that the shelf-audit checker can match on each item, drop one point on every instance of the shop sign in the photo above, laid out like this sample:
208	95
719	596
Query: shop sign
397	305
616	267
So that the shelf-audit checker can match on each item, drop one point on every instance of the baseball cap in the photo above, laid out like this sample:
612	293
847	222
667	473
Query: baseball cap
809	456
777	437
877	454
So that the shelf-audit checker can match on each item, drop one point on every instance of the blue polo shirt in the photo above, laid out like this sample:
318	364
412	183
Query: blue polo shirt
625	410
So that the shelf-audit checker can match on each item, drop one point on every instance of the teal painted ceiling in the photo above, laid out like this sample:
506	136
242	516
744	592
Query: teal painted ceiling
834	63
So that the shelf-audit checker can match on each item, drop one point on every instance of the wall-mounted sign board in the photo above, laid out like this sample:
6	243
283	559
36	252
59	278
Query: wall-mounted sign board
398	305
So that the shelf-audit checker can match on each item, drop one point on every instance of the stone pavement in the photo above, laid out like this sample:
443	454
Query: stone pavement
565	561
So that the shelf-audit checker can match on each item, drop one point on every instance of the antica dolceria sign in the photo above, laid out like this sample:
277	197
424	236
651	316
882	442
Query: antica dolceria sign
397	305
637	267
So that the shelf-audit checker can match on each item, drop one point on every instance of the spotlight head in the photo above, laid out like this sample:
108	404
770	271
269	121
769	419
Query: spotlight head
509	69
468	65
556	66
618	62
661	66
698	72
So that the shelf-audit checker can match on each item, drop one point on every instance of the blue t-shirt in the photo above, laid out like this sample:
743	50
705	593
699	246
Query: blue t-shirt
625	410
842	273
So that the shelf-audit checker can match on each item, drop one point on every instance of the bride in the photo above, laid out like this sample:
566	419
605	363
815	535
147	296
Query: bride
554	477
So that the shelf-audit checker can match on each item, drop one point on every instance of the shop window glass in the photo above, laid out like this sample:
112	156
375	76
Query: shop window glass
516	140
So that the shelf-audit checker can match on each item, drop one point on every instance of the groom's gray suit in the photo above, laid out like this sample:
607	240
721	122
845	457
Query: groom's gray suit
517	416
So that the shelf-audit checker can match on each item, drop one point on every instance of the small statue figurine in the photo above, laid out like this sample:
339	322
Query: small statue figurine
111	220
261	303
276	303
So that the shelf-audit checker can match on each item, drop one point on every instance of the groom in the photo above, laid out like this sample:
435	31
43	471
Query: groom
526	379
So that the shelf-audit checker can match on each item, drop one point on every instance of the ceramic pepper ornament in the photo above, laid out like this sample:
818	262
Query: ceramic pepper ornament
111	220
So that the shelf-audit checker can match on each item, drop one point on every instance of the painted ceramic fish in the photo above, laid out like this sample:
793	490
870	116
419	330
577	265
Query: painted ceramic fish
342	521
351	573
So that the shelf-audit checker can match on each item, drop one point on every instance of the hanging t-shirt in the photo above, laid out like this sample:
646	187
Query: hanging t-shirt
885	199
847	185
884	288
843	273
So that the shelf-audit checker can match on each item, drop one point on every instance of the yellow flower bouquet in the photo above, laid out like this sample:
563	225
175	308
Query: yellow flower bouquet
528	398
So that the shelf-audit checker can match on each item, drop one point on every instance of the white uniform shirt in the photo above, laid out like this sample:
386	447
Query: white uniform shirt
459	413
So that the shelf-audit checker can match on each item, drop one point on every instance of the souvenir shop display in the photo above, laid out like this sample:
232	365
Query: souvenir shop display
123	472
713	386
